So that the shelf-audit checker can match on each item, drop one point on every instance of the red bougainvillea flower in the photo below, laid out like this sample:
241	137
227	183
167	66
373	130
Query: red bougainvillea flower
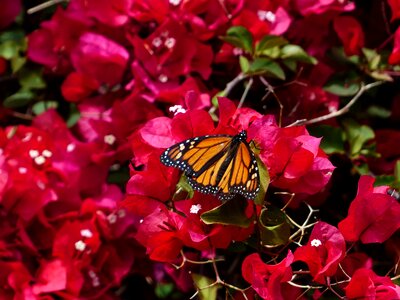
365	284
196	234
9	11
158	232
323	252
395	7
373	214
293	157
77	87
113	13
45	163
15	281
267	280
171	51
109	122
394	57
100	58
387	148
52	43
309	7
350	32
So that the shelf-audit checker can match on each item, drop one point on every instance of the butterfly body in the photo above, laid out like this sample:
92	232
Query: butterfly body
221	165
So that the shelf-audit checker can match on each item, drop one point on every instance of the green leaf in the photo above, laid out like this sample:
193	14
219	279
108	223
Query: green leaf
372	57
31	79
357	135
397	171
290	64
332	138
297	53
74	116
19	99
264	181
378	112
163	290
263	65
231	212
273	53
381	75
202	283
244	63
239	37
17	63
384	180
270	41
184	185
9	49
214	99
42	106
12	35
342	87
274	227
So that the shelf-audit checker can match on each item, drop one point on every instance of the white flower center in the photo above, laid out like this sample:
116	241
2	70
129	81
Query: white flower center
175	2
266	15
170	42
177	109
33	153
157	42
47	153
22	170
316	243
40	160
109	139
71	147
194	209
162	78
80	245
86	233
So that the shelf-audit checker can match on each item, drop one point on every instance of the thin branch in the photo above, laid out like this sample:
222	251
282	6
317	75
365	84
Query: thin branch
341	111
272	91
246	91
44	5
229	87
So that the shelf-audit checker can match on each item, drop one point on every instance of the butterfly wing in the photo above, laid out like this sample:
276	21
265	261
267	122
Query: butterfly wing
220	165
234	173
195	155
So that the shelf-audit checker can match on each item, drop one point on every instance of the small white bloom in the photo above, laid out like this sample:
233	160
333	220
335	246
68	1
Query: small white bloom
80	245
266	15
316	243
47	153
86	233
194	209
112	218
22	170
33	153
71	147
177	109
175	2
162	78
157	42
170	42
109	139
40	160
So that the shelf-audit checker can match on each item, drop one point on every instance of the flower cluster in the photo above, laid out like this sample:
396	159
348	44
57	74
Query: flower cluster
99	89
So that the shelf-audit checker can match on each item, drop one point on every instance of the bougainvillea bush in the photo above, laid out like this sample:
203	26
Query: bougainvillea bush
94	91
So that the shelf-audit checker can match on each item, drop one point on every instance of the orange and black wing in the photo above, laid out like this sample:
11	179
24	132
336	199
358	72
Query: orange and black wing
220	165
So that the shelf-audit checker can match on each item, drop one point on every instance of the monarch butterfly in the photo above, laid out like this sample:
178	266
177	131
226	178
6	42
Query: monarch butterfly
221	165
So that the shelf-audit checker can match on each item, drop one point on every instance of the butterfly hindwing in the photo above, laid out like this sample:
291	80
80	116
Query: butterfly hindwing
220	165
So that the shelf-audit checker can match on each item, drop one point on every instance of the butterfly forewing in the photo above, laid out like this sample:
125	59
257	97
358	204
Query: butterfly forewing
194	155
221	165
